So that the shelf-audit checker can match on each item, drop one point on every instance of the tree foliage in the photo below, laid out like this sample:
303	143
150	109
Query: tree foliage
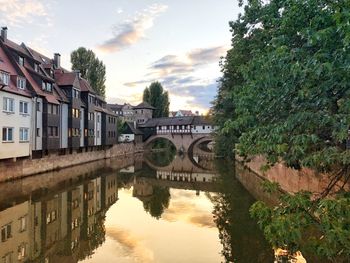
285	95
157	97
318	226
158	202
91	68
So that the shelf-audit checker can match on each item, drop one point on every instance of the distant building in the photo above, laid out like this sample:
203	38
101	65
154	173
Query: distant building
128	113
131	133
143	112
183	113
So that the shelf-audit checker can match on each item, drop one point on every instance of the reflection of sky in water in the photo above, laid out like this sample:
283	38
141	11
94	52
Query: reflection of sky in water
185	233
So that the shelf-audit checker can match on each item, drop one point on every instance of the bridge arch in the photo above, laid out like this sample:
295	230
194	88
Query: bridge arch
182	142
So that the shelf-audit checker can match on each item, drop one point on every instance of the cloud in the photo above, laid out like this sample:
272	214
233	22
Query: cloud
188	63
179	74
189	212
132	30
18	13
131	245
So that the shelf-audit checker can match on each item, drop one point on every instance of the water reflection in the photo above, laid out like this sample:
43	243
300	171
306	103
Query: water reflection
142	209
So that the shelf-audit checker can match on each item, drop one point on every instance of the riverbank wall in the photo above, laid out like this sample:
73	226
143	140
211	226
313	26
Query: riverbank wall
12	170
291	180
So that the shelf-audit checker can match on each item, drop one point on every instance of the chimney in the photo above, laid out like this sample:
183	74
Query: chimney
77	72
57	60
4	33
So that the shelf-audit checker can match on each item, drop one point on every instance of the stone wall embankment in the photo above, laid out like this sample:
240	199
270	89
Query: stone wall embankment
10	170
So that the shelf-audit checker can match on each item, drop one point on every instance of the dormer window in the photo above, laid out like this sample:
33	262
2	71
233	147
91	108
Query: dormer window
21	83
21	61
4	78
47	86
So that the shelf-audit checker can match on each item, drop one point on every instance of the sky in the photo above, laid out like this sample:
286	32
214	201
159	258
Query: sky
176	42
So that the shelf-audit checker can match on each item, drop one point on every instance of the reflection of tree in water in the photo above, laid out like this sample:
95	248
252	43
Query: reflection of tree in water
158	202
240	236
162	158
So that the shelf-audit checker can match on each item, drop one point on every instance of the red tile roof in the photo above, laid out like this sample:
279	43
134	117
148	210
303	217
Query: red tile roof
85	86
6	66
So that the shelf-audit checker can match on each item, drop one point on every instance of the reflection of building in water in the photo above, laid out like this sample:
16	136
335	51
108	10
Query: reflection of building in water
15	233
186	177
111	190
57	226
142	189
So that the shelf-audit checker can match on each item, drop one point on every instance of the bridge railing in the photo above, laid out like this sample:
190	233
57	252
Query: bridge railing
186	131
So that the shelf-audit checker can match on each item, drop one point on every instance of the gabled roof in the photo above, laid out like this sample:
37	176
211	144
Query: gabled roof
85	86
115	107
132	129
67	79
144	105
8	67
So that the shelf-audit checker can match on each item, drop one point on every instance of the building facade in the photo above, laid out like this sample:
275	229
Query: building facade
47	109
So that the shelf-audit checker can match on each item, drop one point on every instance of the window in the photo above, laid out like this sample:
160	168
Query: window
38	107
23	134
49	87
52	109
23	107
98	118
53	131
6	232
7	258
75	94
9	105
22	224
22	251
21	83
37	132
76	113
36	67
21	61
4	78
7	134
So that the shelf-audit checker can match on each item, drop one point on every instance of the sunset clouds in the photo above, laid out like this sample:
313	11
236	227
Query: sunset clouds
132	30
22	12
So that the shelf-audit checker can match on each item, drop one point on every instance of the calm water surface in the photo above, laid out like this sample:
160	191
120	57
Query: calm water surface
153	208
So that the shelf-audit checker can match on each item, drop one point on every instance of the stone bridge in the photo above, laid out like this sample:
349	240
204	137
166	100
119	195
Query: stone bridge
183	132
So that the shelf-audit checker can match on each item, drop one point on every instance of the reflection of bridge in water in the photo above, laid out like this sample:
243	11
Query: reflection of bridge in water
184	172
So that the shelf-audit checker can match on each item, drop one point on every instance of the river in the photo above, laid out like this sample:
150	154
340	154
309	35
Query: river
157	207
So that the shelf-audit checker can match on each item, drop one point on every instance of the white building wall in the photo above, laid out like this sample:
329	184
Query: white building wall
202	129
64	126
82	127
37	129
126	138
15	120
98	130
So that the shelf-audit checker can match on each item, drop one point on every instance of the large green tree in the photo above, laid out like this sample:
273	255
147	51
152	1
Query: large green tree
285	94
91	68
157	97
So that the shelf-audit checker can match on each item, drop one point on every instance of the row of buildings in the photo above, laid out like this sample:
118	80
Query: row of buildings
45	108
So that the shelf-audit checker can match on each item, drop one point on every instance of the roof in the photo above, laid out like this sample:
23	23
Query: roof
67	79
115	107
85	86
133	129
144	105
7	66
186	120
